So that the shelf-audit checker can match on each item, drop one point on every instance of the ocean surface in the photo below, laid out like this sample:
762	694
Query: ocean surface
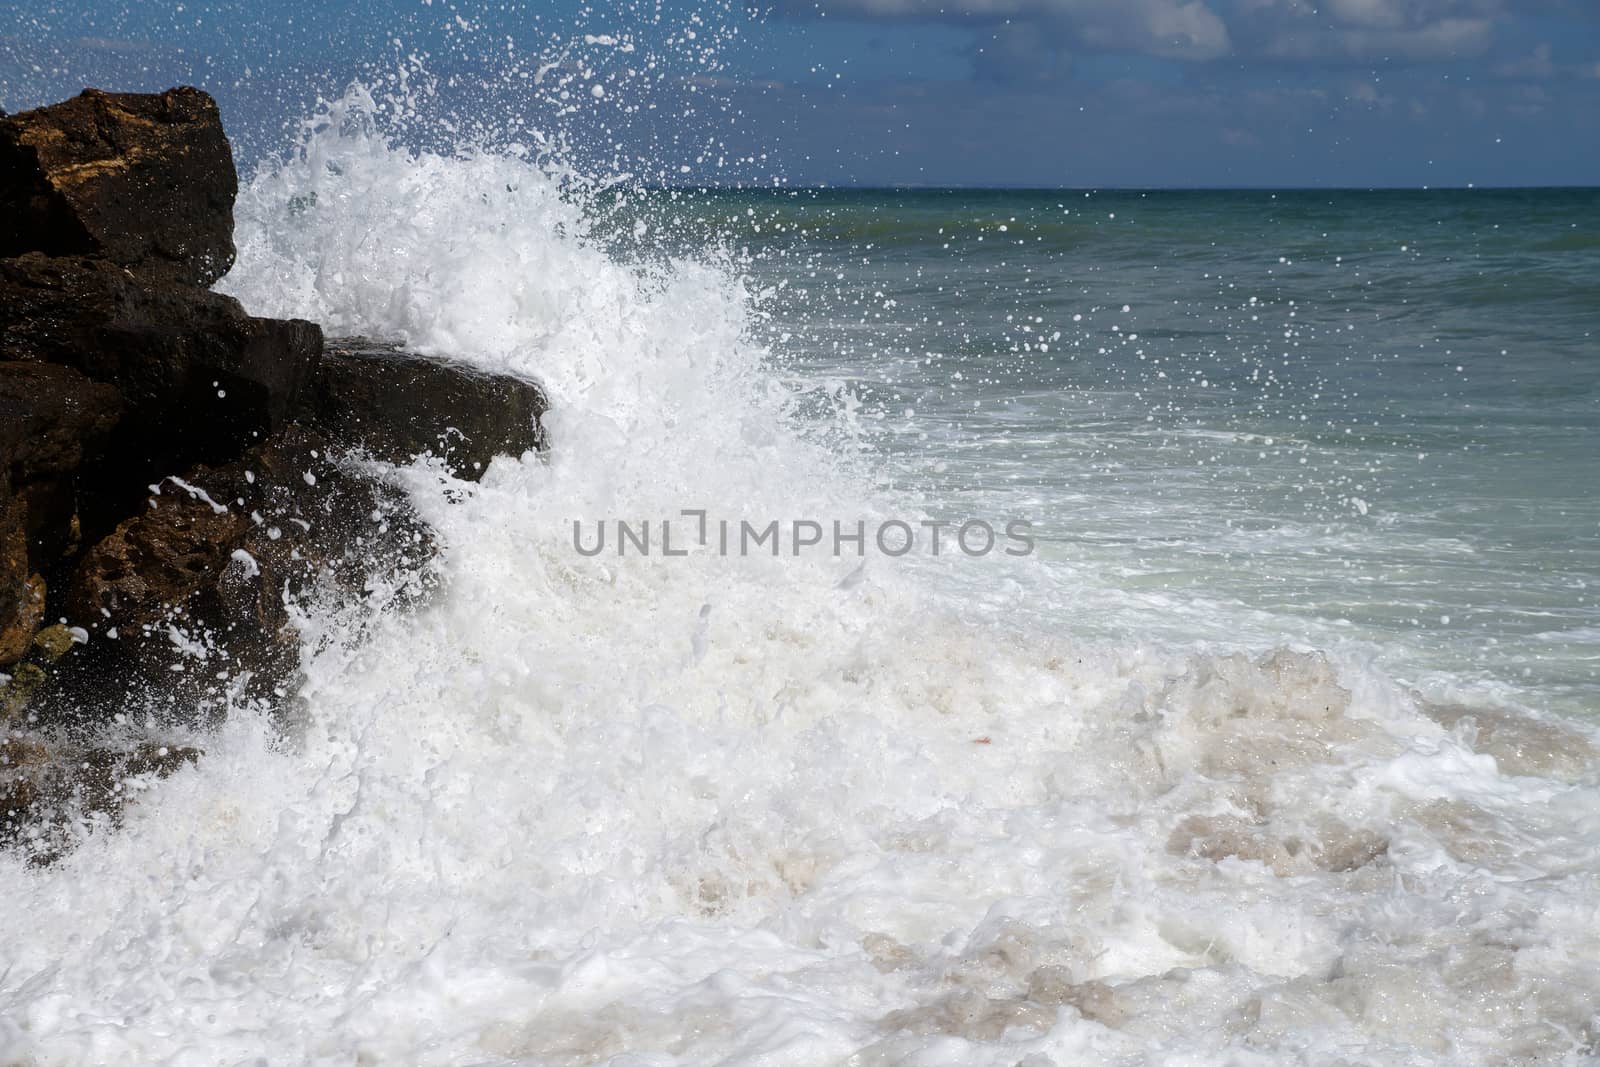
1364	421
1280	746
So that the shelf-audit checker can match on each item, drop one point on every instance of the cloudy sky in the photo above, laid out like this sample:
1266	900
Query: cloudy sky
984	92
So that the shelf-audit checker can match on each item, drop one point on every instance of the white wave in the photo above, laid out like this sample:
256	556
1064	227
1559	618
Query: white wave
767	811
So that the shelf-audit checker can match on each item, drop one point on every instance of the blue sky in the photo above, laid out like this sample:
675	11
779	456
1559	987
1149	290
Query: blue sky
1177	93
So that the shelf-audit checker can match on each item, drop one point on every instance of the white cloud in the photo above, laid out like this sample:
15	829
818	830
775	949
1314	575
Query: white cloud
1365	92
1019	52
1376	14
1541	65
1368	29
1445	39
1338	31
1176	29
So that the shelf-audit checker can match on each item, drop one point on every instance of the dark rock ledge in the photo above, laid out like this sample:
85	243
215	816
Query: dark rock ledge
174	473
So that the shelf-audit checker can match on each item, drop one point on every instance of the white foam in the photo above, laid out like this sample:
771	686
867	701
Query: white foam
767	811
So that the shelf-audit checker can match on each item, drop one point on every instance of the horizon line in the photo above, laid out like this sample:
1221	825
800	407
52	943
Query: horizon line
902	187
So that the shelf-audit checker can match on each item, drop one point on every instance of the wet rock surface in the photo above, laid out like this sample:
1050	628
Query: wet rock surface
398	405
51	420
51	791
180	479
199	380
24	604
21	593
188	601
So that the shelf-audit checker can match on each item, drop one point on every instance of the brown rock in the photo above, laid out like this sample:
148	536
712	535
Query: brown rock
201	381
145	180
398	405
46	787
155	563
209	562
20	688
169	347
52	418
117	369
98	779
18	791
53	421
20	619
14	570
53	642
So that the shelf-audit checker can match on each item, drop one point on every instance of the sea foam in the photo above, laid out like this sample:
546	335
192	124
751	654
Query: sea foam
712	809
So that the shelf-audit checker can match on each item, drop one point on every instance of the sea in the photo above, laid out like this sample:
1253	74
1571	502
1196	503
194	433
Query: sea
1056	627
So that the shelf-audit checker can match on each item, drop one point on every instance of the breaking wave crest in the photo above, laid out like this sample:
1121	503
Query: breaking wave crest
742	810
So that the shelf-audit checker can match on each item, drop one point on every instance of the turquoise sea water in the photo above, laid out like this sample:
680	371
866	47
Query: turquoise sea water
1367	421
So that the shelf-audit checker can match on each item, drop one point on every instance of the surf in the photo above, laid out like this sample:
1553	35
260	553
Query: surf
770	809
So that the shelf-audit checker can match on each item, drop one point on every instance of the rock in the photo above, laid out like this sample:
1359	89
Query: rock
102	774
53	642
52	418
154	564
187	599
19	793
19	619
398	405
174	473
169	347
24	681
22	684
53	421
16	628
200	380
144	180
47	788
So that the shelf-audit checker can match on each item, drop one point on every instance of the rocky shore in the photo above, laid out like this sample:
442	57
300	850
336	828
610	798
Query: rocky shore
176	474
